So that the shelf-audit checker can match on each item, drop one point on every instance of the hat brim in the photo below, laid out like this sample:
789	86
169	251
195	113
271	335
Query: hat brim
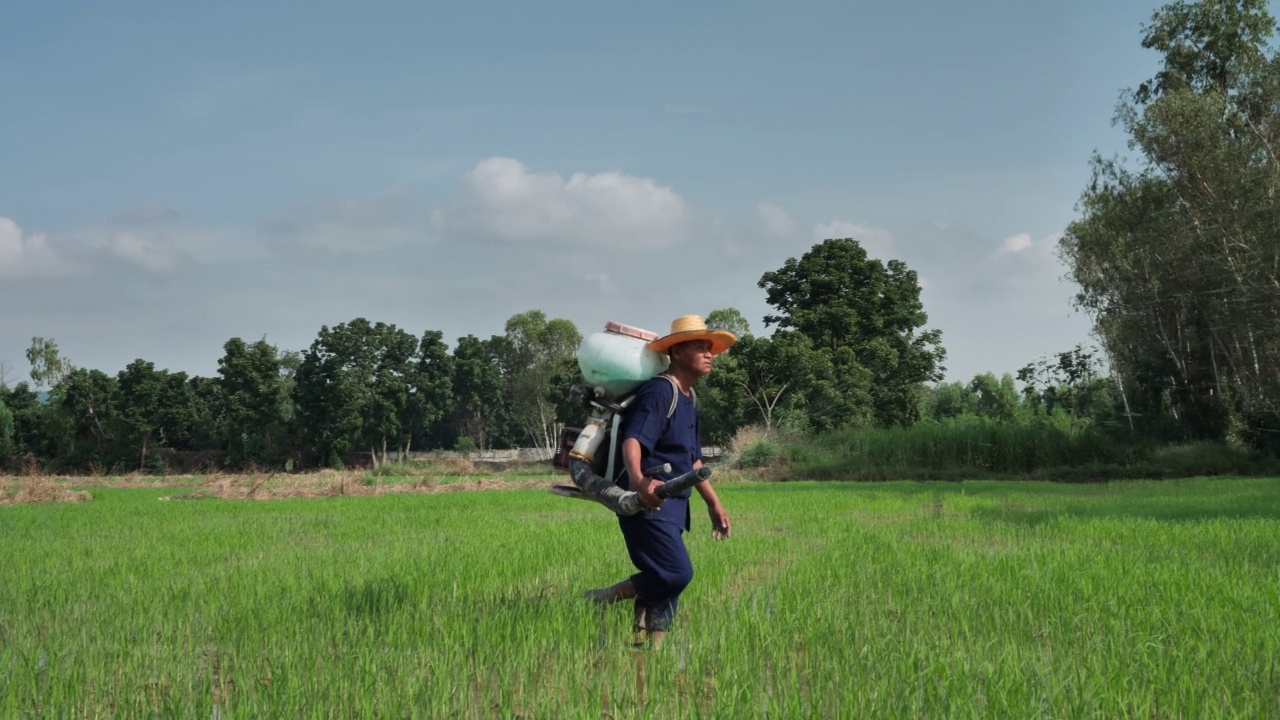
721	340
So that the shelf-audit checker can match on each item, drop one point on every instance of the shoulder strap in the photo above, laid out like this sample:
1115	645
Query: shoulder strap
675	394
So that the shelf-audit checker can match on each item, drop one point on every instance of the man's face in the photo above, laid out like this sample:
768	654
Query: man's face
693	357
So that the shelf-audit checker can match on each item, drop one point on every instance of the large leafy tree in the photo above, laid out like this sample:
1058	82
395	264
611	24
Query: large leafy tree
533	353
252	392
784	377
157	408
208	421
48	367
7	440
722	406
949	400
996	398
730	319
431	389
1175	253
866	317
74	424
24	404
81	419
479	396
352	389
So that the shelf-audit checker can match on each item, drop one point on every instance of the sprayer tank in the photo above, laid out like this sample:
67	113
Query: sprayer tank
619	360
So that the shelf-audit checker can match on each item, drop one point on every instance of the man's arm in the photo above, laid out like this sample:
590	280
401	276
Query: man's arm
644	486
719	516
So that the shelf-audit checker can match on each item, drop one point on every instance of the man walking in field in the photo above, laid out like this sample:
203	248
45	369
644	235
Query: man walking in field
661	426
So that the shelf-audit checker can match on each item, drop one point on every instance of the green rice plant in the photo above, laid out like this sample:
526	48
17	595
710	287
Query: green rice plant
966	599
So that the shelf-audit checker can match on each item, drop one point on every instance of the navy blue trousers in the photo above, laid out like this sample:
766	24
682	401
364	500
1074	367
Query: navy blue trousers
656	547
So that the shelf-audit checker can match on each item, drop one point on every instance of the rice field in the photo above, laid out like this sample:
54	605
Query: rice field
831	600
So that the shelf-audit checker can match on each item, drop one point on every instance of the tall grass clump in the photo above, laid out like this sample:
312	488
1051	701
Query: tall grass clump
957	447
38	489
969	446
754	448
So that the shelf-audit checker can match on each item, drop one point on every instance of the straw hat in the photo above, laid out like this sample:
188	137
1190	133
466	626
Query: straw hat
693	327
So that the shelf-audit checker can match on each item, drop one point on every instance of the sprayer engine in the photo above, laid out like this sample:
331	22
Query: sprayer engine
614	364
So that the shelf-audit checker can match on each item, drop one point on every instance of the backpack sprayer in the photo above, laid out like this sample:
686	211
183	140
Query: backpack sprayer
614	363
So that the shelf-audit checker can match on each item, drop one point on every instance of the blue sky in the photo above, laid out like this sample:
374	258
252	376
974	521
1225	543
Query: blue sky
178	175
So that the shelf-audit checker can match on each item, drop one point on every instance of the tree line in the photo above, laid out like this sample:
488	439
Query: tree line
847	350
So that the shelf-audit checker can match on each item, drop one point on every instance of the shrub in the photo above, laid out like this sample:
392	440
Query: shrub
752	447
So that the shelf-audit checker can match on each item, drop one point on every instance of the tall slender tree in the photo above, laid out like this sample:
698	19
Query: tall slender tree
1175	253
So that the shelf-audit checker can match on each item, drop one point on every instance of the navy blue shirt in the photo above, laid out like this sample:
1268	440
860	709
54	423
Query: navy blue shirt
673	441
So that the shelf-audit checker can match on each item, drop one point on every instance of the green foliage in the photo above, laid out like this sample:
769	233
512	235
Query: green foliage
7	444
723	407
352	389
962	446
1175	254
251	384
431	394
996	399
730	319
81	422
480	409
1208	459
24	405
48	367
534	355
948	400
864	316
1207	47
1043	446
157	408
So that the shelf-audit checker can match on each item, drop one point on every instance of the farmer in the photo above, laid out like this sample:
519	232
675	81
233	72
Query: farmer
661	426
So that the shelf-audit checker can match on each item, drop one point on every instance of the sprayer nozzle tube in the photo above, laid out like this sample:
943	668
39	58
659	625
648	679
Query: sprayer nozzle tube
594	487
685	481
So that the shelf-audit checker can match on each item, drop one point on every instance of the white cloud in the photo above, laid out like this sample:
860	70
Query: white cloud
23	255
157	255
1015	243
776	220
878	242
502	199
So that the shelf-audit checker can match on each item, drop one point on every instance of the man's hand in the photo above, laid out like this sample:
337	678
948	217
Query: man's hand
719	521
647	490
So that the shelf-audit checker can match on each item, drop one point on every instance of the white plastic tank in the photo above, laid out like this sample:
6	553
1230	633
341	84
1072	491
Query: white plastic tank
619	359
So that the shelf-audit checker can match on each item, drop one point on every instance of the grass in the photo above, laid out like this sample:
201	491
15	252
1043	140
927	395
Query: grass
974	599
969	447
